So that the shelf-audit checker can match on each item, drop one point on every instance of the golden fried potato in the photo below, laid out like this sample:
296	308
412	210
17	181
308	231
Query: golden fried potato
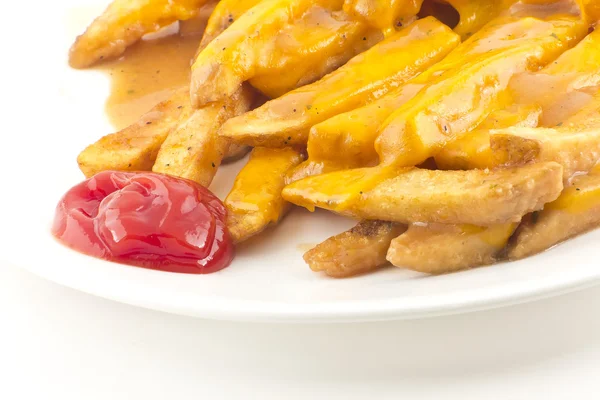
383	14
249	47
366	77
255	200
548	96
123	23
474	14
576	211
352	134
474	84
361	249
193	150
224	14
590	9
477	197
440	249
473	151
135	148
576	150
309	48
235	152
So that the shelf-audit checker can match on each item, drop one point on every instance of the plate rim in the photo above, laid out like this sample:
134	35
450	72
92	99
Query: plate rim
245	310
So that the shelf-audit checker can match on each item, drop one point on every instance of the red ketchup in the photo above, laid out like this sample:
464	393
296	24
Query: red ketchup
146	219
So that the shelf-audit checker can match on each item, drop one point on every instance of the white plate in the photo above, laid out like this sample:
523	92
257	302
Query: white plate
53	112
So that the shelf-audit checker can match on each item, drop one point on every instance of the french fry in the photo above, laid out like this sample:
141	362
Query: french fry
393	145
235	152
473	151
475	14
192	149
383	14
352	134
123	23
367	76
244	50
440	249
309	48
224	14
590	9
460	99
576	150
135	148
476	197
576	211
255	200
360	250
543	98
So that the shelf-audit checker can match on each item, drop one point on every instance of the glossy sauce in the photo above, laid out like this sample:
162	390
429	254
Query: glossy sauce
147	74
146	219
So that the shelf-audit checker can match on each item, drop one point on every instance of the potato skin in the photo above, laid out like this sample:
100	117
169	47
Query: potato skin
255	200
360	250
123	23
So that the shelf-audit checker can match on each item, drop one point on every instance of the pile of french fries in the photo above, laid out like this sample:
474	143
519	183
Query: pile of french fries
455	145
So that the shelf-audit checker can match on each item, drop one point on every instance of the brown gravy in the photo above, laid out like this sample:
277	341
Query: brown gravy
146	75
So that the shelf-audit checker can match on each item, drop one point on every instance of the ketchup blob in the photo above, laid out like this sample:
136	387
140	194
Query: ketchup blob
146	219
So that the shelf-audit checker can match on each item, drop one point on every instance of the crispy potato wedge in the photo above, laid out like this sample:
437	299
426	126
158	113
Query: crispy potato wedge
461	98
193	150
135	148
123	23
255	200
548	96
325	191
477	197
440	249
224	14
475	14
361	249
245	49
383	14
576	211
367	76
590	9
576	150
352	134
473	151
309	48
235	152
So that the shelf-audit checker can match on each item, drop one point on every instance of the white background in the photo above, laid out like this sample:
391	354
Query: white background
56	343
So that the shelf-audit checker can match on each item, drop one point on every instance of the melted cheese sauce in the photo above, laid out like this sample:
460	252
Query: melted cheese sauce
147	74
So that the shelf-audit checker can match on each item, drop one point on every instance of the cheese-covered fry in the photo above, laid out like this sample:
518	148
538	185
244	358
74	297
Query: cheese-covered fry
123	23
224	14
462	97
249	47
542	98
255	201
383	14
193	150
439	249
367	76
590	9
576	150
135	148
576	211
474	151
361	249
474	14
309	48
352	134
477	197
